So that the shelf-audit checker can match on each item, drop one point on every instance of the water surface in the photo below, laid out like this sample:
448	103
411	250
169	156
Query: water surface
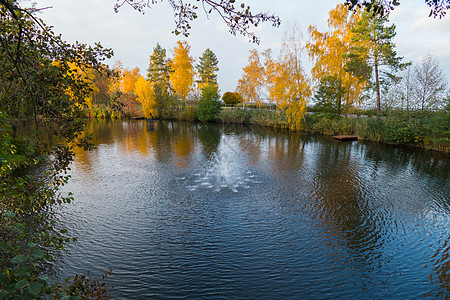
208	211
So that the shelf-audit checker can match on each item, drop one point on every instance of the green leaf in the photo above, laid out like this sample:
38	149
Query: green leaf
10	214
4	246
23	271
19	226
43	277
35	288
31	245
3	277
19	258
37	253
3	294
21	284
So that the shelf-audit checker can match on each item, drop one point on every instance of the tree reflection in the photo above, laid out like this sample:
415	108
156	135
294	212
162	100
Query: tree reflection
209	137
183	143
440	264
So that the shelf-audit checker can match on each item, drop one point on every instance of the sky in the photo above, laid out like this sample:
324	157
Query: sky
133	35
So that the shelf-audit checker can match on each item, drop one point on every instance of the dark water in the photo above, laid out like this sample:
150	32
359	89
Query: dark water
205	211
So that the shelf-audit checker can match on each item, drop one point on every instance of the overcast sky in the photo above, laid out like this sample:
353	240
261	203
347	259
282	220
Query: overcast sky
133	36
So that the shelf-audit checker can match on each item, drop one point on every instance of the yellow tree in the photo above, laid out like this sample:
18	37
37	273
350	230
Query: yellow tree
182	75
128	80
297	84
252	81
146	96
287	83
275	80
114	84
86	76
328	49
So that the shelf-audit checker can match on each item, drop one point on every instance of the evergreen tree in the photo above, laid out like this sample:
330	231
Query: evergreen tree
373	54
159	75
329	97
209	104
207	69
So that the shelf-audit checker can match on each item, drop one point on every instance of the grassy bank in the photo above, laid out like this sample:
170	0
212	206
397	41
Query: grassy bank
428	132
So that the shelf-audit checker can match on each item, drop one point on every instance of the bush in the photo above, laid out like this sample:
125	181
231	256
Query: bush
189	114
209	105
230	98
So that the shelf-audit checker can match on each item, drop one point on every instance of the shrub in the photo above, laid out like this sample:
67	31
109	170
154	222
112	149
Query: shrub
189	113
209	105
230	98
238	116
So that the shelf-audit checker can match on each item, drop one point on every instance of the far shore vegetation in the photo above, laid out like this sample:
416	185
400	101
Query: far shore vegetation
358	85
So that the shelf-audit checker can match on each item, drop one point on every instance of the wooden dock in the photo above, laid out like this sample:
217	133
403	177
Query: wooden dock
344	138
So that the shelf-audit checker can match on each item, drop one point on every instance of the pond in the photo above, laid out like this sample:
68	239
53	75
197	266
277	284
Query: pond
224	211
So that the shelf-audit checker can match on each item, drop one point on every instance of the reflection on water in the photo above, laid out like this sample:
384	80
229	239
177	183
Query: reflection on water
202	210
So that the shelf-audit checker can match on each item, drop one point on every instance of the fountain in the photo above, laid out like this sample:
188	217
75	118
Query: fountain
223	170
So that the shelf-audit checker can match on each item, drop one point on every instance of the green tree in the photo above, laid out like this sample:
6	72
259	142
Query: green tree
329	97
43	82
209	104
159	75
232	98
207	69
373	52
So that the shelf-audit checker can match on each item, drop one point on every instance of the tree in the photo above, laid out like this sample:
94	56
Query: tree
328	49
404	90
160	67
230	98
209	105
431	84
373	52
129	79
182	70
328	97
252	81
159	72
85	75
275	80
43	81
146	96
288	83
207	69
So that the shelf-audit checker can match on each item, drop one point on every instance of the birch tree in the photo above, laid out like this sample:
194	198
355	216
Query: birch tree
252	81
431	84
182	75
327	51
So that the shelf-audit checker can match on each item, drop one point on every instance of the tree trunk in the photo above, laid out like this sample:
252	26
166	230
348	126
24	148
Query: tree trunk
377	87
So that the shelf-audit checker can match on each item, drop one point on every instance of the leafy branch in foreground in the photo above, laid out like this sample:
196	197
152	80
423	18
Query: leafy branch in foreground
41	120
381	7
238	17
